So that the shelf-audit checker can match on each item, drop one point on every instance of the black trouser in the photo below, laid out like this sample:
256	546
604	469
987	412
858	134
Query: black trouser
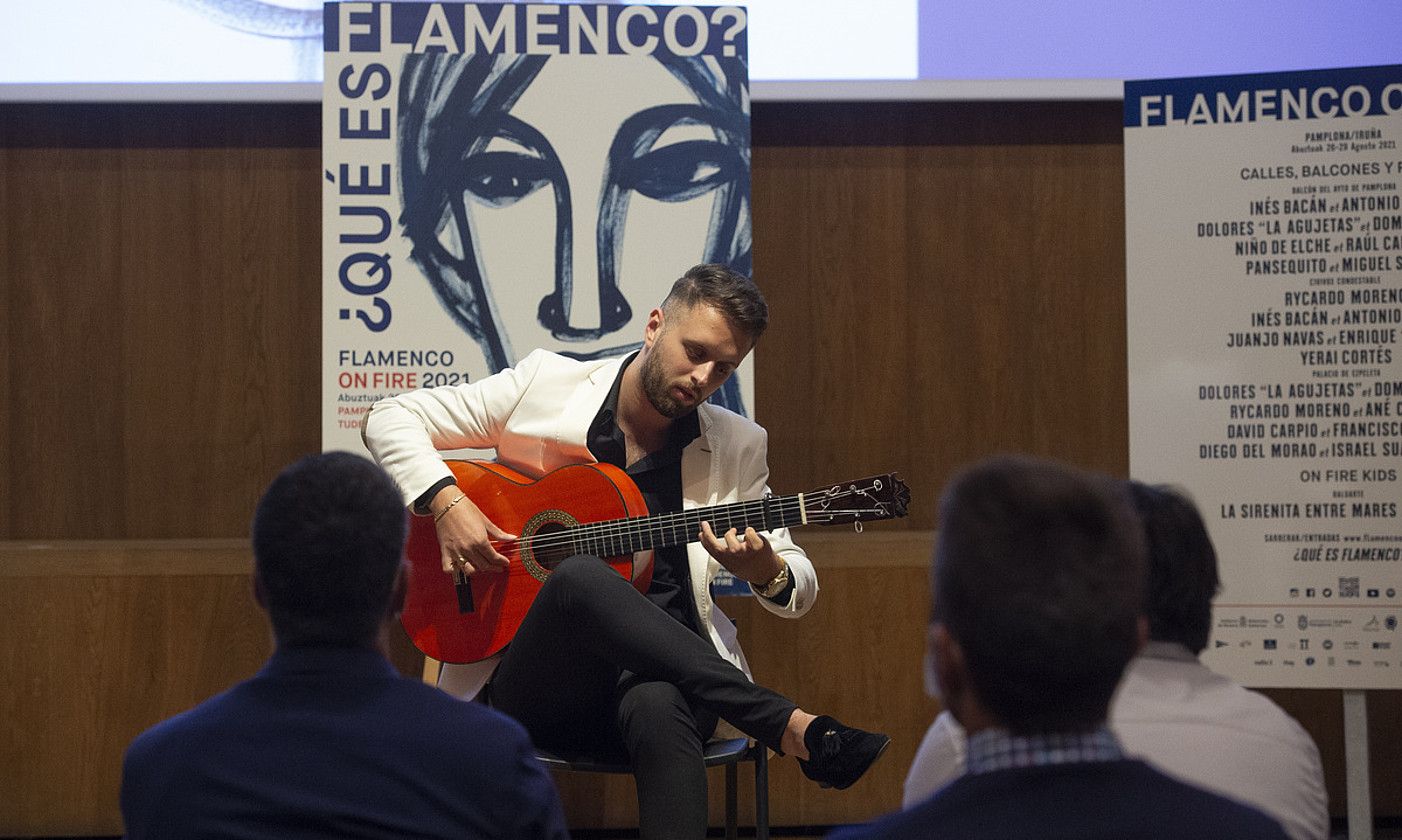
597	669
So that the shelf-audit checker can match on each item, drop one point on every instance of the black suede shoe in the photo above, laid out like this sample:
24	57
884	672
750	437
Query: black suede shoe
838	755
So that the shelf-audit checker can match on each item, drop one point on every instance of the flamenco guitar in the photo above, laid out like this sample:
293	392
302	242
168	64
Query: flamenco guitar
591	509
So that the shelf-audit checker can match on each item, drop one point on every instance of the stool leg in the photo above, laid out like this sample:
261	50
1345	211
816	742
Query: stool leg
732	781
762	793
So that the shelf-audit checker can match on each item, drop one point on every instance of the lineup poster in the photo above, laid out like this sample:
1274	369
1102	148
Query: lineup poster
1264	247
503	177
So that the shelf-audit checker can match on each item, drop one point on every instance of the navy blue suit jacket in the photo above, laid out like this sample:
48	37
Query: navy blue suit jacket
332	742
1103	800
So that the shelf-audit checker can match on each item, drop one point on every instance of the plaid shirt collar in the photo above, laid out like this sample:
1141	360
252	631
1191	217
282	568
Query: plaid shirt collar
998	749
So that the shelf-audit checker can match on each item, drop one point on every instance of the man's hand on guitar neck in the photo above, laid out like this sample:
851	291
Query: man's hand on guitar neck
465	534
747	556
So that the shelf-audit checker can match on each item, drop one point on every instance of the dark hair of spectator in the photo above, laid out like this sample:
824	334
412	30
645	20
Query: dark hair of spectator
1182	567
1038	575
328	539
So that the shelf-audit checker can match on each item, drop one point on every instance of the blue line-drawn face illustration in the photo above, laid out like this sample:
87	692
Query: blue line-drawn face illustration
550	202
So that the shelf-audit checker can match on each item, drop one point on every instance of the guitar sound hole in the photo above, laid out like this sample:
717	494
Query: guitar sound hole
552	546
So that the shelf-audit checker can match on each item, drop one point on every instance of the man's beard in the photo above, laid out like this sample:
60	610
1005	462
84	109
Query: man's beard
658	391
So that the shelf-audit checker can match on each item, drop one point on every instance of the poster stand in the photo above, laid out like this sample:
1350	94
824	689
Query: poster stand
1360	801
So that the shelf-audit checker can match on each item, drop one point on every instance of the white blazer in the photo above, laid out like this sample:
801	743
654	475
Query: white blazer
536	416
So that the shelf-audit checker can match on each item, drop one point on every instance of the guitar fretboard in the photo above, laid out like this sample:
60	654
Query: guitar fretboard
616	537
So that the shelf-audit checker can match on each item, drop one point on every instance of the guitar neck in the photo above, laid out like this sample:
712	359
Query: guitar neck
626	536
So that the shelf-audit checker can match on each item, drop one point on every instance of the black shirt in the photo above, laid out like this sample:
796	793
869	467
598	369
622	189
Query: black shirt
658	476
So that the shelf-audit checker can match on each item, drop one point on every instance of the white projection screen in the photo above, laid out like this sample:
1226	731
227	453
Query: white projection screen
249	50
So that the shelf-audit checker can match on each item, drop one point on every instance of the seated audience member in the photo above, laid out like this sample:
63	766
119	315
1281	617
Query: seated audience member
1037	583
328	740
1170	709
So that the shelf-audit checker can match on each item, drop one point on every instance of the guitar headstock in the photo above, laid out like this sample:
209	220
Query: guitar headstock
863	500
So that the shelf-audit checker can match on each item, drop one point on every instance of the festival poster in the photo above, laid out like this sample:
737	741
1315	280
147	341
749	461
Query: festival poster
505	177
1264	264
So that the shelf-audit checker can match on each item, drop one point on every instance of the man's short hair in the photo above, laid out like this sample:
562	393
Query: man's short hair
1182	567
721	286
1038	575
328	539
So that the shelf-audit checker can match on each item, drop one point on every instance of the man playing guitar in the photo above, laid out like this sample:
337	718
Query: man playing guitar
597	667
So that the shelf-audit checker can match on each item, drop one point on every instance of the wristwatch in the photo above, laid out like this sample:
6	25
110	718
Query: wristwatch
774	585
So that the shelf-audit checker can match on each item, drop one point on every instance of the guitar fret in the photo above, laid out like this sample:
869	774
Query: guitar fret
617	537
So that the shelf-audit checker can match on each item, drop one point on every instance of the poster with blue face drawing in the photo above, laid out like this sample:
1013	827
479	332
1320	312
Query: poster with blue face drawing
505	177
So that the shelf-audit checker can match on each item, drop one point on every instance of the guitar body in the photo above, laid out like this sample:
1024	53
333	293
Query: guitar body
592	509
436	614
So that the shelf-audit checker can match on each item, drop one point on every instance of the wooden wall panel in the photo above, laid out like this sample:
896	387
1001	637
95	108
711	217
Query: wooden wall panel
101	642
830	230
8	273
64	357
948	282
223	361
162	273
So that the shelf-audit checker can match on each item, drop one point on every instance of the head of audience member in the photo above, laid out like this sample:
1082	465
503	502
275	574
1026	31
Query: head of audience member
1182	575
1038	581
328	548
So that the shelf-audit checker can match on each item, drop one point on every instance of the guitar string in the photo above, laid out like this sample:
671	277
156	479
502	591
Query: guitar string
616	531
622	532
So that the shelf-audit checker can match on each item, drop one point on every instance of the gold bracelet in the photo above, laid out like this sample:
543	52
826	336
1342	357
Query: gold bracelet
439	515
